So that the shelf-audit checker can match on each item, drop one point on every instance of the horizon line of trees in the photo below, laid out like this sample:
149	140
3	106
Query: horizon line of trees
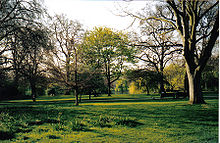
40	53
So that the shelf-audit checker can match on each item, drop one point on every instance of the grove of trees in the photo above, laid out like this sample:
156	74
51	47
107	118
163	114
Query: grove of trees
42	54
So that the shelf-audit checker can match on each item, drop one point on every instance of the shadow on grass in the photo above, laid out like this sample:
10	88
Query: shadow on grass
6	135
38	122
130	123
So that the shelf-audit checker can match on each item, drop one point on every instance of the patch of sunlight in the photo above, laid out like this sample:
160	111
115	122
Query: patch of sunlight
205	106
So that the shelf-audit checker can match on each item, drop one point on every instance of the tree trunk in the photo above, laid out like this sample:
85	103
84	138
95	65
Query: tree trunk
162	89
76	79
186	84
195	91
147	88
33	91
77	97
109	87
109	78
80	98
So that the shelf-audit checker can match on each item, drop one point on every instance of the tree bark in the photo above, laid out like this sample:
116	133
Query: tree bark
77	97
33	91
162	89
109	78
195	91
76	80
109	87
147	88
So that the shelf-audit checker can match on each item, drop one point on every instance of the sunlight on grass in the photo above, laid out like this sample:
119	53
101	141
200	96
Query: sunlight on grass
58	120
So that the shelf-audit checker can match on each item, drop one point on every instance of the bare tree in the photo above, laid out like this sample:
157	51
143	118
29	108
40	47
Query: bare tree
197	22
159	48
64	57
18	13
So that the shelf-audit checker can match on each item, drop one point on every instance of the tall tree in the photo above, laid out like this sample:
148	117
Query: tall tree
16	16
109	51
157	44
197	23
28	62
64	58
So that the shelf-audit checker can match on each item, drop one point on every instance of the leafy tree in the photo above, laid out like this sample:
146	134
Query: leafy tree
108	51
175	76
92	83
121	86
135	87
148	79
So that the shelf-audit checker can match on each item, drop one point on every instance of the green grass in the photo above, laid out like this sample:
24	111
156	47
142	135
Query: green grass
56	119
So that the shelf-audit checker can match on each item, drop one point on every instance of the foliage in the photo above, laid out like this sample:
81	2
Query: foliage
93	83
134	87
121	86
148	80
175	75
108	51
54	90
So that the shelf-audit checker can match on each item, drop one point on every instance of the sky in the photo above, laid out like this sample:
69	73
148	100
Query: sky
95	12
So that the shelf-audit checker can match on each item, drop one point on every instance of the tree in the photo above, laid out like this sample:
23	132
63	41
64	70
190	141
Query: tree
108	51
197	23
175	76
149	79
64	59
14	15
16	18
18	13
159	48
33	45
121	85
157	45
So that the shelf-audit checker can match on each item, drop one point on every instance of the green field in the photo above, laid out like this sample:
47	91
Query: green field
124	118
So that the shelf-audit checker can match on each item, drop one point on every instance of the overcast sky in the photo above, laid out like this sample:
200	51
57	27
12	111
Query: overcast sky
94	13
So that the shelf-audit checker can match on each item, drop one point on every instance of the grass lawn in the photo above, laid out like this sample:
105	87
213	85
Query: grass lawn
56	119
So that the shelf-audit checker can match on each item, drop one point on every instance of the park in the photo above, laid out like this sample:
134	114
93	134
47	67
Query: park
109	71
140	119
